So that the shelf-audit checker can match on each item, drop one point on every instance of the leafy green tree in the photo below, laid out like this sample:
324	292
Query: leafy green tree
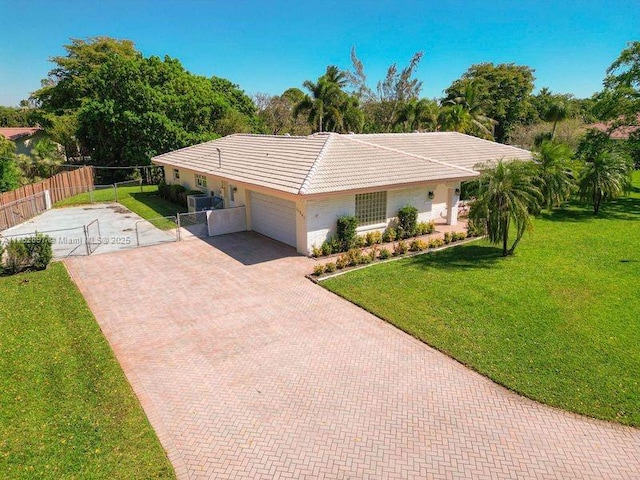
67	85
9	173
623	79
504	92
554	177
141	107
506	198
606	175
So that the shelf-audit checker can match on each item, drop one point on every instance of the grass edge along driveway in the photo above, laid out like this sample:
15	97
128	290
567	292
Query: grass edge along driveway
559	322
68	410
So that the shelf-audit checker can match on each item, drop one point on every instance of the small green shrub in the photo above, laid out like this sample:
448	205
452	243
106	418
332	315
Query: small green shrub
400	248
342	261
389	235
326	248
316	251
457	236
447	238
163	190
436	243
16	256
330	267
346	231
175	193
355	257
418	245
374	238
407	218
39	250
1	262
336	245
384	254
425	228
474	229
360	241
318	269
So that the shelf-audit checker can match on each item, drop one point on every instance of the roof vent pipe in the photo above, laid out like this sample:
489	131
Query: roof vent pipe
219	158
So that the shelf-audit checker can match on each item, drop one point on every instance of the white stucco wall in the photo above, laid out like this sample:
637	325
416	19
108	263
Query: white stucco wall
321	215
228	220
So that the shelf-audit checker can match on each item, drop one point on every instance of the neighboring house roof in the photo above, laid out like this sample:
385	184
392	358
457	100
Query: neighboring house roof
16	133
619	133
331	162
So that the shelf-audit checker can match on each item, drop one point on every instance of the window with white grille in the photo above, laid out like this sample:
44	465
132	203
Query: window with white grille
371	208
201	181
176	174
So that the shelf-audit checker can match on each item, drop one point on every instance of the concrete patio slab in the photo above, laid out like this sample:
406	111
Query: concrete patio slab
115	229
247	370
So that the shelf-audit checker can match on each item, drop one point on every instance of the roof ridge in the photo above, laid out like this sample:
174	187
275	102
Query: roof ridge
402	152
306	183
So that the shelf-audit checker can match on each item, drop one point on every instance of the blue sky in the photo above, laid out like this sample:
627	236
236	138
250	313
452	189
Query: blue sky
269	46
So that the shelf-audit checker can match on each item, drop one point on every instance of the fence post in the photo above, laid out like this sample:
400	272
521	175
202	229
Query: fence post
115	189
86	239
179	235
137	236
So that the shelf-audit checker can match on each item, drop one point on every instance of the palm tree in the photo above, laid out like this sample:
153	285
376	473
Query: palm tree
474	122
606	175
419	115
557	111
325	104
554	177
507	196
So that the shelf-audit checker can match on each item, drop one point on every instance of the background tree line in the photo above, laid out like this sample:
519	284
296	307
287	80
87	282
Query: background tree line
105	100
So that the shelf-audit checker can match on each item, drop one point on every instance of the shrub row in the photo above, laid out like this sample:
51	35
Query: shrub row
346	238
175	193
356	256
30	253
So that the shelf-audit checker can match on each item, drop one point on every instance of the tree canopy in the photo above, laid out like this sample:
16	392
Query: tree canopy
502	90
124	108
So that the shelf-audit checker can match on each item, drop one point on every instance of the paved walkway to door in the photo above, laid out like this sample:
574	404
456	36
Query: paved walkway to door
247	370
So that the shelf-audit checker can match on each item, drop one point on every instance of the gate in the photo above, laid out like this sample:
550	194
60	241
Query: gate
193	225
157	230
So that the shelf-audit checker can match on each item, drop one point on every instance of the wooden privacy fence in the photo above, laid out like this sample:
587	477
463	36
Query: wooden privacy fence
26	202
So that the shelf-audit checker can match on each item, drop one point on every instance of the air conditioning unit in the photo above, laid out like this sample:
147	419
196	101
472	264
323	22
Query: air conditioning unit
199	203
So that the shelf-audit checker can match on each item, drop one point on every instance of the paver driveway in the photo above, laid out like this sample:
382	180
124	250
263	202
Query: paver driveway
248	370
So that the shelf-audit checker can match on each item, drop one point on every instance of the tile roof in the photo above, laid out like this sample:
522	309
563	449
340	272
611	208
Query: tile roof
16	133
621	132
331	162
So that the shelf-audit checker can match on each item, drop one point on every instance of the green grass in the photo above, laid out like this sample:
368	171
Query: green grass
558	322
67	410
145	203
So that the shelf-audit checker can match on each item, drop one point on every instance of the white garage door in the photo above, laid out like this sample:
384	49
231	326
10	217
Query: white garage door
274	217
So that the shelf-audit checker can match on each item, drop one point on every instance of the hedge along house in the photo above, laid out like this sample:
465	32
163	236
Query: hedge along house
293	189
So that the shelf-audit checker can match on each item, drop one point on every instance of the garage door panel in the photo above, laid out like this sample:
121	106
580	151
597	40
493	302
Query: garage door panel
274	217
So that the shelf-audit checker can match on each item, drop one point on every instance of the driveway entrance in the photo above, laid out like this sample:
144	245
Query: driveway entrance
247	370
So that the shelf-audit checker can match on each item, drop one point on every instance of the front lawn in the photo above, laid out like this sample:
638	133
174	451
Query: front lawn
67	410
559	322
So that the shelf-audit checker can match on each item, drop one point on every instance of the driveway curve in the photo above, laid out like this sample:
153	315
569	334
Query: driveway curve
247	370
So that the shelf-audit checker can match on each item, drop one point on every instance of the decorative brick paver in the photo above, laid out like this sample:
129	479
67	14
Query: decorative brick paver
247	370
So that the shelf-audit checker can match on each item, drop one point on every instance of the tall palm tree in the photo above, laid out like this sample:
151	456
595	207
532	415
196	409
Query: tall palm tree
606	175
507	196
554	177
557	111
325	101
